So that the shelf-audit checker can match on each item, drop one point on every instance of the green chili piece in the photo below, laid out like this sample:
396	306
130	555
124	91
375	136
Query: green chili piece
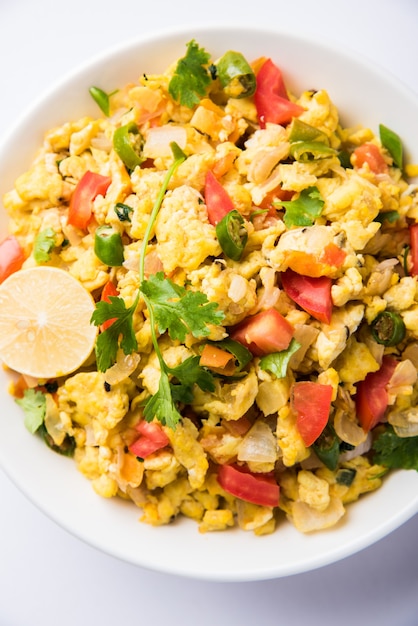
235	75
310	150
102	99
301	131
108	246
240	352
232	234
327	447
388	328
393	144
345	476
128	143
123	211
344	158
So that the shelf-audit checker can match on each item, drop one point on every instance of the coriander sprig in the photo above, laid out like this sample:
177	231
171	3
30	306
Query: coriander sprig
171	308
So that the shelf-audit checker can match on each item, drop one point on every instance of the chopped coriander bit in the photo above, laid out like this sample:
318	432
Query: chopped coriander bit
277	362
304	210
396	452
33	404
43	246
387	216
191	77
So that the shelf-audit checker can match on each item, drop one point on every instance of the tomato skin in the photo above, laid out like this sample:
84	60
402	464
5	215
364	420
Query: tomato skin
369	153
313	294
11	257
108	290
372	397
264	333
413	234
271	100
312	403
259	489
152	438
218	202
88	188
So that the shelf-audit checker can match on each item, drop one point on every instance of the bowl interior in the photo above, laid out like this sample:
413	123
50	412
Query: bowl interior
364	95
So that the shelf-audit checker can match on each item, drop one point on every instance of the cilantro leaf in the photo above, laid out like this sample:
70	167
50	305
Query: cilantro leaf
191	77
188	374
396	452
120	334
179	311
43	246
33	404
162	404
277	362
304	210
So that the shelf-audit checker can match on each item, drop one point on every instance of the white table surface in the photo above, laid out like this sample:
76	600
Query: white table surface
49	577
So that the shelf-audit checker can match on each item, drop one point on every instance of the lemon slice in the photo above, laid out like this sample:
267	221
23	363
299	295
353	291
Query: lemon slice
45	328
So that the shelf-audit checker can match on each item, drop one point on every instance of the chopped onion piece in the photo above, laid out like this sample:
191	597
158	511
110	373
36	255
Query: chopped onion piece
259	445
405	423
362	448
158	140
125	365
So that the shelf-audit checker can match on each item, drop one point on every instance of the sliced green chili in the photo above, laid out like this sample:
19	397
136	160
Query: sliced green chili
393	144
345	476
327	447
128	143
232	234
123	212
240	352
301	131
344	158
102	99
235	75
310	150
388	328
108	246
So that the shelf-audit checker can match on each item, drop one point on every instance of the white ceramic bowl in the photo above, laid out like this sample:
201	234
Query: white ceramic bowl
363	95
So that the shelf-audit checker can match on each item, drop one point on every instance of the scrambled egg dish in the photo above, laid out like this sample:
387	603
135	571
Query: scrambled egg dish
254	267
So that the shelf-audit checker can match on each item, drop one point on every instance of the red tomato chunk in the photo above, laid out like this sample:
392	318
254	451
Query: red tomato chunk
312	403
259	489
264	333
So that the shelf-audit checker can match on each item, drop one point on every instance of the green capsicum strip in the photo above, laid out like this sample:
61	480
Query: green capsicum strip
128	143
108	246
102	99
232	234
327	448
235	75
388	328
310	150
393	144
301	131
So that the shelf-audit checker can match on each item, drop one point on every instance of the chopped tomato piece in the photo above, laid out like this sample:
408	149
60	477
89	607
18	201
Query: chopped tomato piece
312	403
413	233
271	99
11	257
218	202
313	294
372	396
264	333
81	204
369	153
275	194
152	438
259	489
108	290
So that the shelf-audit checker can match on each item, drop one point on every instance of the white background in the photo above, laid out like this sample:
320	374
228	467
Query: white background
49	577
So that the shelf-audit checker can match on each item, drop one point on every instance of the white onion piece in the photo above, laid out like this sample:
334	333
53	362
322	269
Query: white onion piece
402	380
411	353
259	445
405	423
348	430
158	140
307	519
125	365
362	448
